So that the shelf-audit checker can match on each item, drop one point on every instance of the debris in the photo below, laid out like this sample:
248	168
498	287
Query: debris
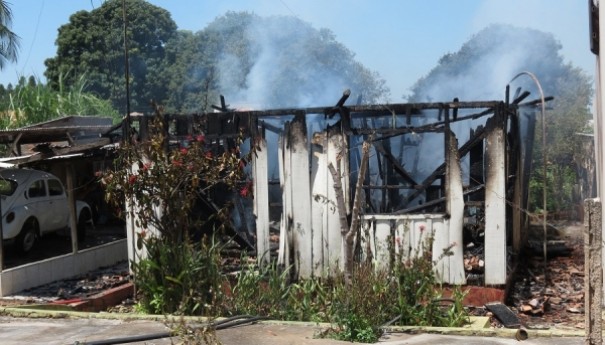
545	296
504	315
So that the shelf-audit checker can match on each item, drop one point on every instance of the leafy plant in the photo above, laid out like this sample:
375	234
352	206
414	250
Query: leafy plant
180	272
419	294
260	291
179	278
359	309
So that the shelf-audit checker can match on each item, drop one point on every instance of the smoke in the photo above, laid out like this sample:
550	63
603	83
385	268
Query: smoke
484	65
290	64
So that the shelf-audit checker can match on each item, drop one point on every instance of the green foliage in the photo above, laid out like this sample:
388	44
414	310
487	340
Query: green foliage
272	62
31	102
359	309
260	291
409	294
179	278
92	44
419	294
308	300
9	41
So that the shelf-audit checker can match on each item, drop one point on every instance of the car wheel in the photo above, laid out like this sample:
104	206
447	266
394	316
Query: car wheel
83	220
27	237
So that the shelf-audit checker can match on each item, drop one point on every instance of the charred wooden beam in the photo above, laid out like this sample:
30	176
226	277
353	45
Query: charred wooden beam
536	101
521	97
462	151
396	166
436	201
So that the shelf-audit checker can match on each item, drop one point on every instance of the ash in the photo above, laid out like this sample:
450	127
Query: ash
78	287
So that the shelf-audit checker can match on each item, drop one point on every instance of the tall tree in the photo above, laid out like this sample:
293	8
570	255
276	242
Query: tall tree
92	44
9	41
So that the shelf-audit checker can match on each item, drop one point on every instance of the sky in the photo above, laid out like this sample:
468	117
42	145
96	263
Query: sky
402	40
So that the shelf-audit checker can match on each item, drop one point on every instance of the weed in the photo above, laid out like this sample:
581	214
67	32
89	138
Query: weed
359	309
180	278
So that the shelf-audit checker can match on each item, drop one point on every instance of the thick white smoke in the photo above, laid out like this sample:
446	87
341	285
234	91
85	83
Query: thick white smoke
291	67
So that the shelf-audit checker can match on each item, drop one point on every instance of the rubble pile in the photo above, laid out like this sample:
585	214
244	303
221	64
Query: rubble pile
556	299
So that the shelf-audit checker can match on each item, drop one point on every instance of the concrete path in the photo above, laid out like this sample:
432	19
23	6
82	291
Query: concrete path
51	331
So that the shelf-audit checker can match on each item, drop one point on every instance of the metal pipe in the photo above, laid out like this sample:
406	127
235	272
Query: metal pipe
544	156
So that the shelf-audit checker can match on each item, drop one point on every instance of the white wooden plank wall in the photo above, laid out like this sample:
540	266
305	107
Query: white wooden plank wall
455	208
298	168
320	206
286	215
495	209
260	177
337	155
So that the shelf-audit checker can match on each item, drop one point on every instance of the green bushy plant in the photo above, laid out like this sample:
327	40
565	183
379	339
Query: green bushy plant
179	278
360	307
260	291
178	274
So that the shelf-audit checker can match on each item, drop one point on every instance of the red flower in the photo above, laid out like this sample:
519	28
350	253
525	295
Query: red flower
209	154
200	138
421	228
132	179
184	150
246	190
177	163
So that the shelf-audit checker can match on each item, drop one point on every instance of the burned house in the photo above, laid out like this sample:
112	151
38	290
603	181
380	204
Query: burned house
448	177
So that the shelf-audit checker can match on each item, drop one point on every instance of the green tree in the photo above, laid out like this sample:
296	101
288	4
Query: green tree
266	62
9	41
92	44
483	67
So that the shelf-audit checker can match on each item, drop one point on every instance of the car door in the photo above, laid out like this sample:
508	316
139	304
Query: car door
57	205
37	203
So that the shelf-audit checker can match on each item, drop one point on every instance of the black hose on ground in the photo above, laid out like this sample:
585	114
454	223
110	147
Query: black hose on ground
222	324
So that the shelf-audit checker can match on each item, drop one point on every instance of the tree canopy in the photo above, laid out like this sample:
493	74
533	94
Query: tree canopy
92	44
254	61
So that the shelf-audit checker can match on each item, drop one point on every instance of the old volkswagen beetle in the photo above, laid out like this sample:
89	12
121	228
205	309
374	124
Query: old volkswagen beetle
34	203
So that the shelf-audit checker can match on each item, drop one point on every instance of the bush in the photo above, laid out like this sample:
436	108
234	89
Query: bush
179	278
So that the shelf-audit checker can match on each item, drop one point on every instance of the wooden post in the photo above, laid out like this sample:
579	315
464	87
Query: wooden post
495	202
455	209
349	237
73	223
261	201
593	277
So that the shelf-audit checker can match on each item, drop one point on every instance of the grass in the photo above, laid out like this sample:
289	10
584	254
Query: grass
34	102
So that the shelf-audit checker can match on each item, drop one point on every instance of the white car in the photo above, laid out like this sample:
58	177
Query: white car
34	203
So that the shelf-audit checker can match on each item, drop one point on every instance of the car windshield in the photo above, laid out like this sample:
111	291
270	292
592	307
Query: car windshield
7	187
